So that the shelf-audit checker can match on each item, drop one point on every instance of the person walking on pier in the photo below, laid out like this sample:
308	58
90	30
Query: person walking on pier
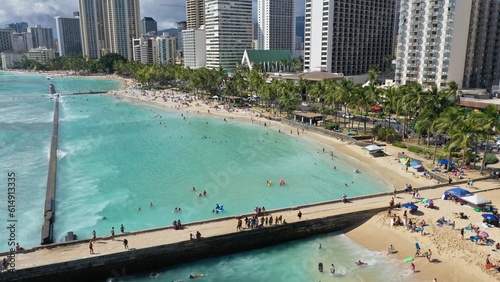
299	215
91	247
240	222
125	244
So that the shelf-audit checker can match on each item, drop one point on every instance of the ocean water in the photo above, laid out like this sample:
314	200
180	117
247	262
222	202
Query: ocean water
292	261
115	157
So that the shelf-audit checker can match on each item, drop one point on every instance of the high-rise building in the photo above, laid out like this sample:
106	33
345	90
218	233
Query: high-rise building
166	49
109	26
39	36
92	28
144	49
195	13
149	25
123	20
19	42
194	48
276	25
228	24
181	26
346	36
448	40
18	27
5	39
69	36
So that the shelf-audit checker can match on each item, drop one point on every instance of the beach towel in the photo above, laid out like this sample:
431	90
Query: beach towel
440	224
408	259
489	265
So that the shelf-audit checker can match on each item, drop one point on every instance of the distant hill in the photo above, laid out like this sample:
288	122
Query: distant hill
299	26
171	31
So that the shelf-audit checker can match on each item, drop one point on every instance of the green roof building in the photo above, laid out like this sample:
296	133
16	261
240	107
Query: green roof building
269	60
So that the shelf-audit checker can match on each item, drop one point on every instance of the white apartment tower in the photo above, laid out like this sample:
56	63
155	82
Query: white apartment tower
124	24
348	36
194	48
68	36
276	25
228	24
449	40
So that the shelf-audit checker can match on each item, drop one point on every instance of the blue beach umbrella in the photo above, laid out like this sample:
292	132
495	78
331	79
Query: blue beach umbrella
410	206
414	163
490	217
443	162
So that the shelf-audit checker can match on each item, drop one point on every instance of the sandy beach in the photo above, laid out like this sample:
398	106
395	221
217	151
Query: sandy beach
453	259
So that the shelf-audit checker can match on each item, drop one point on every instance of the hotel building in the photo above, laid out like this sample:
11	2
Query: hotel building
276	25
348	36
69	36
228	25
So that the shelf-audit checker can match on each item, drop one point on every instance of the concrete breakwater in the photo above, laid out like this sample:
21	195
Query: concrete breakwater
146	259
50	194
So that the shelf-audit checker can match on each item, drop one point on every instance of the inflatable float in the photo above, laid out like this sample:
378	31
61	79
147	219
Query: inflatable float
269	183
360	262
408	259
219	208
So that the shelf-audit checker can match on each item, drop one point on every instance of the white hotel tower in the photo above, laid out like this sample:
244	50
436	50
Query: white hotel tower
449	40
228	25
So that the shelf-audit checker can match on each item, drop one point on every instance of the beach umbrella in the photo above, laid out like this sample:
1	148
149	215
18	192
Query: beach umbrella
443	162
417	166
483	234
410	206
414	163
490	217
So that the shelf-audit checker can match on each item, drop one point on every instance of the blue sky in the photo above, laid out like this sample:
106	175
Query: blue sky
43	12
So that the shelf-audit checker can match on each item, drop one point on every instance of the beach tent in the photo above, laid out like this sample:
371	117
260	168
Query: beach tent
458	192
373	148
476	200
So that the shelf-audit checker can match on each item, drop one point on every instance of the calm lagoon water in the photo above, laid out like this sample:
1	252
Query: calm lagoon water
116	157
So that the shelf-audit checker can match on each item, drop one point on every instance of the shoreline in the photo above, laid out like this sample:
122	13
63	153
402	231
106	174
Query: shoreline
394	176
459	260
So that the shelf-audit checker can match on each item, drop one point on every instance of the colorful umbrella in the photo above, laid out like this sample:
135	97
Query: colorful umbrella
483	234
490	217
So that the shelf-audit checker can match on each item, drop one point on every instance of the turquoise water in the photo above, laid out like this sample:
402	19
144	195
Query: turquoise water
116	157
293	261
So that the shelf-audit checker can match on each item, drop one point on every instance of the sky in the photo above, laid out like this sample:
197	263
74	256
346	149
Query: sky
165	12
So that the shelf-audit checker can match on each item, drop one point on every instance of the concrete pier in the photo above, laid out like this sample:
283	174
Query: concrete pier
50	195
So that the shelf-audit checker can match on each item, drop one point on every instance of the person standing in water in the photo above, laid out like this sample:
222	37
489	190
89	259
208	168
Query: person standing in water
332	269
